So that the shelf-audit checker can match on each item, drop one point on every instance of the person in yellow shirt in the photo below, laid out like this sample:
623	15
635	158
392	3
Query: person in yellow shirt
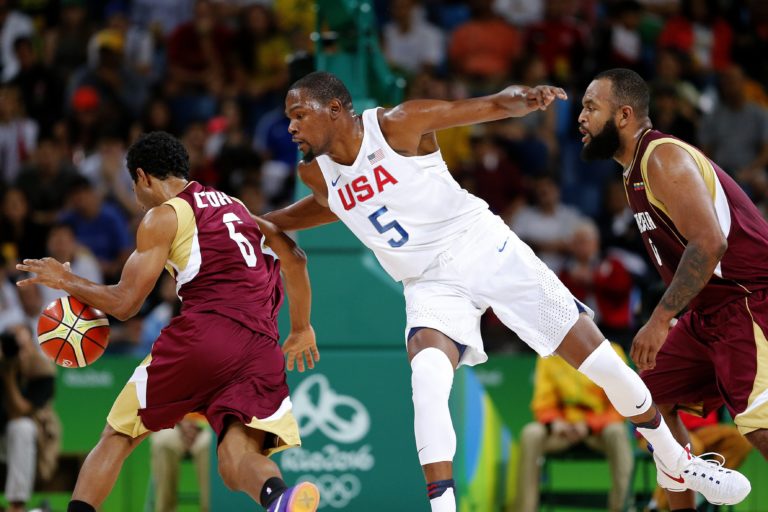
569	409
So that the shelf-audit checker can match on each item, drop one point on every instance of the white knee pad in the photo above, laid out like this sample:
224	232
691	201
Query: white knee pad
626	391
431	381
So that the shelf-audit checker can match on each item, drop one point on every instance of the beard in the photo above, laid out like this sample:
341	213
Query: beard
603	145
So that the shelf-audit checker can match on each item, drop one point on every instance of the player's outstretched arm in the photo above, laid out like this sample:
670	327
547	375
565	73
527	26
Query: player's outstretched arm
122	300
418	117
675	179
303	214
300	344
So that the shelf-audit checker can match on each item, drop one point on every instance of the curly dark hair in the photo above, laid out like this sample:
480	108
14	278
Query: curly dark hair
159	154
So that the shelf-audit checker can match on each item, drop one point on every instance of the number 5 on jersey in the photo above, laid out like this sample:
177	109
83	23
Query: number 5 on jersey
383	228
246	249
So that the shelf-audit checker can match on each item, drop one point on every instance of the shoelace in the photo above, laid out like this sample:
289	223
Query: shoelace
719	461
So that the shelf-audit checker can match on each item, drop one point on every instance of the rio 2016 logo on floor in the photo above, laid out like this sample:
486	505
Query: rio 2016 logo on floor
343	420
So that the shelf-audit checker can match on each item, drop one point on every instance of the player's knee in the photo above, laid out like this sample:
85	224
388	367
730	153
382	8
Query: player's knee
431	377
624	388
532	434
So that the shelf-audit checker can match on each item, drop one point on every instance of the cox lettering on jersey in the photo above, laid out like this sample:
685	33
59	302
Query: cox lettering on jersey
361	189
343	420
644	221
211	198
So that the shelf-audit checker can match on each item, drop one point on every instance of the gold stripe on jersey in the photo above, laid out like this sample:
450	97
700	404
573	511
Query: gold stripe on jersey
755	416
705	169
285	429
124	415
185	232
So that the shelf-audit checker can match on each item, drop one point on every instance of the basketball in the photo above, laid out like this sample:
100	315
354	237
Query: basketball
71	333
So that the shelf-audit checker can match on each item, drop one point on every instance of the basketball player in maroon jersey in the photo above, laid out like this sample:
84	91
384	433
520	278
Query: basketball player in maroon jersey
220	356
709	243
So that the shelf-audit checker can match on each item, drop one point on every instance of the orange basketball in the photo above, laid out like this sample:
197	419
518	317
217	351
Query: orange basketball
71	333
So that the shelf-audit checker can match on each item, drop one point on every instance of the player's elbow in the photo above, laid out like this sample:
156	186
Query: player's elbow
125	311
296	259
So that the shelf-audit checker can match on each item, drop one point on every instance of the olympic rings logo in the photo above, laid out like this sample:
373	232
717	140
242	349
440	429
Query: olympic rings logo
335	491
324	416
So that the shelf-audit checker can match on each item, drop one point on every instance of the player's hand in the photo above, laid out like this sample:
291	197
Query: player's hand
648	341
541	96
301	345
49	272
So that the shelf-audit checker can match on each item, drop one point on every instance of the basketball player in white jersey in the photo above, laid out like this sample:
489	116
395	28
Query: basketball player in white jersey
382	174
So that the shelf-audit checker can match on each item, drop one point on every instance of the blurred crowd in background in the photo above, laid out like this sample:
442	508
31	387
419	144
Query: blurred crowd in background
81	79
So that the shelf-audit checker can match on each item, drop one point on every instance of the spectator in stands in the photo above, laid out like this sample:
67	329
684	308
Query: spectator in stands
670	115
411	43
200	62
570	410
751	40
201	166
99	226
85	122
228	145
13	25
121	93
601	282
106	170
20	236
261	66
701	34
485	48
547	225
138	48
66	44
45	181
11	310
735	134
672	66
191	438
707	435
18	134
63	246
41	91
27	421
619	44
161	16
494	177
560	40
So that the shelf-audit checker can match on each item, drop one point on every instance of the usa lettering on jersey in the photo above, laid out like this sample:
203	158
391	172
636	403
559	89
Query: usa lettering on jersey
361	189
644	222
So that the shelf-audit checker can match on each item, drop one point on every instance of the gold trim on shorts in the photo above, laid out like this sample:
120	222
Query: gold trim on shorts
285	429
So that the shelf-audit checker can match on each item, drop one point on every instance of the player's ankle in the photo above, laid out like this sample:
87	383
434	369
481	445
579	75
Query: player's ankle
273	489
80	506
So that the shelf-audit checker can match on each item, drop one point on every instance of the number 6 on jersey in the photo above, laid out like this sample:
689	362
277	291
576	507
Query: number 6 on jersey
246	249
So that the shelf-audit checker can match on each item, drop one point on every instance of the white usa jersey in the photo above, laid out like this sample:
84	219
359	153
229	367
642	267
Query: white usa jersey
407	210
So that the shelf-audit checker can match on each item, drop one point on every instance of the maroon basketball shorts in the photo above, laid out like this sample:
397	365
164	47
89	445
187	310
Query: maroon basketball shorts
207	363
715	359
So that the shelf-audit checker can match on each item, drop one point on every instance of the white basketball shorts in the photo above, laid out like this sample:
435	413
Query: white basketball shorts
489	266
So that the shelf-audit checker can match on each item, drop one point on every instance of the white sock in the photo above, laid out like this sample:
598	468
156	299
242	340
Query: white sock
445	503
665	446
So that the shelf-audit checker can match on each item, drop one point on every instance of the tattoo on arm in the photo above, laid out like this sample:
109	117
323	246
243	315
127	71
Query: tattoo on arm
692	275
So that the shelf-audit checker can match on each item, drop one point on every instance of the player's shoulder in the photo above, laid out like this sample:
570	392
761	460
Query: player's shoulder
160	219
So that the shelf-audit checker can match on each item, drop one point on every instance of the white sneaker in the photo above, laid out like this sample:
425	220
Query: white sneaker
719	485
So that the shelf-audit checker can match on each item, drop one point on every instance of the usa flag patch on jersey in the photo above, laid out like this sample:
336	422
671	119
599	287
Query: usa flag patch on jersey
376	156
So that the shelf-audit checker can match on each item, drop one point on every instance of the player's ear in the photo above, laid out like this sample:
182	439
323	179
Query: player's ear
334	107
142	177
625	113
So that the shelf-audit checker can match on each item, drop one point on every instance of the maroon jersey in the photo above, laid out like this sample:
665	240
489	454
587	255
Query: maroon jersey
219	262
744	267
